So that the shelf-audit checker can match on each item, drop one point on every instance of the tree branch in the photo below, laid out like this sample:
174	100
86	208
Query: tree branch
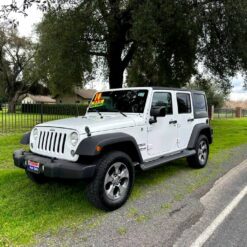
3	67
10	54
129	56
21	64
103	10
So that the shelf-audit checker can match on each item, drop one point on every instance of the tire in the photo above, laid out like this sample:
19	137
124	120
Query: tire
199	160
113	181
36	178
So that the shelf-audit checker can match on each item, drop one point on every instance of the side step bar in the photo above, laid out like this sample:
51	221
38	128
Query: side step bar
154	163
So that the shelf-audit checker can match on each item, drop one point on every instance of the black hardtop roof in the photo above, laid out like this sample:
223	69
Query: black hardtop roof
178	89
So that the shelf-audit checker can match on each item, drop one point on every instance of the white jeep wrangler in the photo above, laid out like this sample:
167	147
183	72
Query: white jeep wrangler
122	129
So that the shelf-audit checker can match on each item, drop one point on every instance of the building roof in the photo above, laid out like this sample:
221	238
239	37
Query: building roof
85	93
41	98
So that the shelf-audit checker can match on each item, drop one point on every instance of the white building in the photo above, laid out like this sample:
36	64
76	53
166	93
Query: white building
36	99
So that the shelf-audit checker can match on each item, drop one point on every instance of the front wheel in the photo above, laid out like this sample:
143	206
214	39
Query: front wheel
113	182
199	160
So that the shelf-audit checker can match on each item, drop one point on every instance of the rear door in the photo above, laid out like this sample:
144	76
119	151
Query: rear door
185	118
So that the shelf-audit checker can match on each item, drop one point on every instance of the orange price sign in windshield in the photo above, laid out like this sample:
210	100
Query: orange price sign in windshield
98	100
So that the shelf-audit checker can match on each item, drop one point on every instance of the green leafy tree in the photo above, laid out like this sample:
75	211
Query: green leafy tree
160	42
210	33
16	66
62	55
217	92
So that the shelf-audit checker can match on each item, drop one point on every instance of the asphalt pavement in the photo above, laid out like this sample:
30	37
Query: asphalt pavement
224	220
161	217
233	231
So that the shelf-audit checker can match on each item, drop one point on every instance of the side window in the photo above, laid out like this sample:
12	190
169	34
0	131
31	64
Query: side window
184	103
163	99
200	105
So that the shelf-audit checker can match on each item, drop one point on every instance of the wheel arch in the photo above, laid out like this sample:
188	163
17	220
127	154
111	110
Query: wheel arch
200	129
25	140
95	145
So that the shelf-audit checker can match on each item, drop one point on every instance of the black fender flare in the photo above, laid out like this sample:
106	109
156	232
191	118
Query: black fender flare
203	127
87	147
26	139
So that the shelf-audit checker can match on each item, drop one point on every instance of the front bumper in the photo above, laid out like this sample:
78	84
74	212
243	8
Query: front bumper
55	168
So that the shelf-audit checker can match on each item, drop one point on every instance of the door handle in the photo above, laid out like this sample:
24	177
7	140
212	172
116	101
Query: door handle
173	122
190	120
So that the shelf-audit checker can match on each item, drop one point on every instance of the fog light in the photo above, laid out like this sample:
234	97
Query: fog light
31	145
72	152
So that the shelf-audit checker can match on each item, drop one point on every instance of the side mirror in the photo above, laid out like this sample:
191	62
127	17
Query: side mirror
157	112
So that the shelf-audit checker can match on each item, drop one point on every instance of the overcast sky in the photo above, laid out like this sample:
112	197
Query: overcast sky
26	28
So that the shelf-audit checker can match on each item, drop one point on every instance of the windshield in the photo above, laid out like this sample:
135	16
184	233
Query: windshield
132	101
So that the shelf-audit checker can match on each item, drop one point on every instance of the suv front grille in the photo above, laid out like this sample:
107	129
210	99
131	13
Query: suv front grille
52	141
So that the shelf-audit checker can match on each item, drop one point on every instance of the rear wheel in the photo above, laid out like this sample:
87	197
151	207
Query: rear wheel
199	160
113	181
36	178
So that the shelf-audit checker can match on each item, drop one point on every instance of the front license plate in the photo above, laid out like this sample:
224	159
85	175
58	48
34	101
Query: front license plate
33	166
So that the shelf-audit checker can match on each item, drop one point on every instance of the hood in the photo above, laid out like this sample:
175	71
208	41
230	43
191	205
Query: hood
95	123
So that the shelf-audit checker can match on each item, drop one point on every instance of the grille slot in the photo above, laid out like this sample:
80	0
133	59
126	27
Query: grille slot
40	137
47	139
59	141
43	140
63	144
53	142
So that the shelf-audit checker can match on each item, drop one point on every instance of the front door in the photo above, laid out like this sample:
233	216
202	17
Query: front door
185	119
162	135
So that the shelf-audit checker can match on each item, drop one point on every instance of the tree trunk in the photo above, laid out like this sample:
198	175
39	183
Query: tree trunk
12	102
11	106
115	64
115	76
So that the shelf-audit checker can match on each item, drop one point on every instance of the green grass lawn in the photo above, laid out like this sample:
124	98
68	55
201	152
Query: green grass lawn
27	209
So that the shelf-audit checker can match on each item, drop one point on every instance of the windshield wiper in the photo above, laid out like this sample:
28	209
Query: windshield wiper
115	110
122	113
101	116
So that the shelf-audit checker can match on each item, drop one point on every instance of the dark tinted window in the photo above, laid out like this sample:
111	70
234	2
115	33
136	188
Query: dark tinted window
184	103
121	100
163	99
199	103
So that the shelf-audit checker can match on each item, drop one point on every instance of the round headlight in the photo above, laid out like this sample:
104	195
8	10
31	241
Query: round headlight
74	138
35	134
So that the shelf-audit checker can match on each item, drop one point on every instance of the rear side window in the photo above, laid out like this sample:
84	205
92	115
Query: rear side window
163	99
200	105
184	103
